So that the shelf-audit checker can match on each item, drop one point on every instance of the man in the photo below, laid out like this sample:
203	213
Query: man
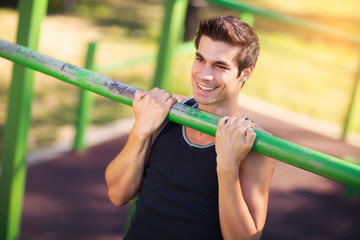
191	185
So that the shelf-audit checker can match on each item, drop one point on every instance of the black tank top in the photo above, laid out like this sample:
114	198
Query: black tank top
178	196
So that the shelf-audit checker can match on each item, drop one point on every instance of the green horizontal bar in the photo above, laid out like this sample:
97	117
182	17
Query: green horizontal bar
181	50
238	5
291	153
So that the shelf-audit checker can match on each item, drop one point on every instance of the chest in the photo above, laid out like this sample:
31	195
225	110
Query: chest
182	164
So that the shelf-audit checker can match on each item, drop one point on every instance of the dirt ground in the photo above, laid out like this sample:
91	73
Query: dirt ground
66	198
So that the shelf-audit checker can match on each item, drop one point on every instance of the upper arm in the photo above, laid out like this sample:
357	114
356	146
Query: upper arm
255	174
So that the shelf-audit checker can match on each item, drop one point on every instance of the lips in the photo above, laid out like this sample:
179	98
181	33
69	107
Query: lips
205	88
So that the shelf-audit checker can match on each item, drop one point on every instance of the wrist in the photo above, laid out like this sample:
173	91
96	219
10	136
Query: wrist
140	133
228	172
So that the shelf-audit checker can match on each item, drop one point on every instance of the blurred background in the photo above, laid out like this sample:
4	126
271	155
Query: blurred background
300	70
308	74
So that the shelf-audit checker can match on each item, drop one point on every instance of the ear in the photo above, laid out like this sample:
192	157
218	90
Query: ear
246	73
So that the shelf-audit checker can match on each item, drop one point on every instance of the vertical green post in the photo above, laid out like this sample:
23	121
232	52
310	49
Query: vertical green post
13	161
85	105
248	17
353	117
173	24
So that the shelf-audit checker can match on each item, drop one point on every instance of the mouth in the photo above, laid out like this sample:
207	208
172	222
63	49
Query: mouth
205	88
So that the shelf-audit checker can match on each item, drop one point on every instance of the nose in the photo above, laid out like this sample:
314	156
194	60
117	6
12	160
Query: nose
206	73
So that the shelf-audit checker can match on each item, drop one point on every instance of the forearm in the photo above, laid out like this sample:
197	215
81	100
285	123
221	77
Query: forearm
123	175
236	219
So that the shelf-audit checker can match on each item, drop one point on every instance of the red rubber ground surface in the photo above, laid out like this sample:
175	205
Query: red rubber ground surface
66	198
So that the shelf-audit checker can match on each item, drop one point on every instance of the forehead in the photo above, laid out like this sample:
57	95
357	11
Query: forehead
213	50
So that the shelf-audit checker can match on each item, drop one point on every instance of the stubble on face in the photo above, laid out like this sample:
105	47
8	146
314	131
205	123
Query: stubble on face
215	77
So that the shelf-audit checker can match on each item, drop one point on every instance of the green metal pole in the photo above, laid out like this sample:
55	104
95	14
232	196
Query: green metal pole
241	6
173	24
248	17
85	105
266	144
353	116
13	165
180	50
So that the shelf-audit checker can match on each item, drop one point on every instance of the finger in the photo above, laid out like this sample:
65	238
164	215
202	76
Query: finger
232	120
243	125
154	91
223	121
250	136
164	95
253	123
170	101
139	95
161	92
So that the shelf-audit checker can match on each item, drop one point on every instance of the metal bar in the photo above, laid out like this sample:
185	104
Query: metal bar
180	50
87	99
173	24
291	153
13	165
85	105
353	116
238	5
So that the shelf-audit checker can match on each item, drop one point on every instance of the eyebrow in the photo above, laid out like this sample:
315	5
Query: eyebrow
216	62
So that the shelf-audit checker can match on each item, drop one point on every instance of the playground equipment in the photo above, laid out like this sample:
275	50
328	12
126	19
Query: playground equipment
13	165
266	144
171	38
31	13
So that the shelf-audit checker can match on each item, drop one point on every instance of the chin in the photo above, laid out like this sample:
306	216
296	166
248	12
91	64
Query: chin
202	100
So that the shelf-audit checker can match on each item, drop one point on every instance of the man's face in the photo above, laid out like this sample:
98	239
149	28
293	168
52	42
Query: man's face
214	75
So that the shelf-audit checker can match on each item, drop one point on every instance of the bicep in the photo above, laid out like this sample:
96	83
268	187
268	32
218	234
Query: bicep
255	177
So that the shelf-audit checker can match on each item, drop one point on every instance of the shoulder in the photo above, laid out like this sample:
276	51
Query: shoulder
257	169
180	98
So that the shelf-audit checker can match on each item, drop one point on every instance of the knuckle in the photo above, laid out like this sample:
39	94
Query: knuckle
233	118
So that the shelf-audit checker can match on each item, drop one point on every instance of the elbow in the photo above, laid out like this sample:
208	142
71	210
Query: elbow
242	234
255	236
117	199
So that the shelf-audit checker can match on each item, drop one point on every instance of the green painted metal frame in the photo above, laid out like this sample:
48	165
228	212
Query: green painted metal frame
180	50
173	28
241	6
85	105
173	25
353	117
291	153
353	114
13	162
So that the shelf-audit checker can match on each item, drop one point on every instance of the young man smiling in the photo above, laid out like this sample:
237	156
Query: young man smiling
191	185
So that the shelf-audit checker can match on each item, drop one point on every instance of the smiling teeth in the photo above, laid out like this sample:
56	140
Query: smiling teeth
205	88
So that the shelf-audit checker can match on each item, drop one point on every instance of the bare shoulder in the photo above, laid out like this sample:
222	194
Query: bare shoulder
256	172
257	169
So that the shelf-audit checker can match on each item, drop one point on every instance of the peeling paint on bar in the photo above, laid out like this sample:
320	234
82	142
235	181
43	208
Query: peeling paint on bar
291	153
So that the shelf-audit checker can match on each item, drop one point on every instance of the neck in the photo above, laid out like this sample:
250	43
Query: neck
221	109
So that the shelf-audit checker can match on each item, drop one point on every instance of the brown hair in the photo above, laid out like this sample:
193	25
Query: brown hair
234	31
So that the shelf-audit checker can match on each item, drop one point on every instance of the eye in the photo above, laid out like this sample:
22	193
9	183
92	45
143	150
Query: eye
199	59
221	67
